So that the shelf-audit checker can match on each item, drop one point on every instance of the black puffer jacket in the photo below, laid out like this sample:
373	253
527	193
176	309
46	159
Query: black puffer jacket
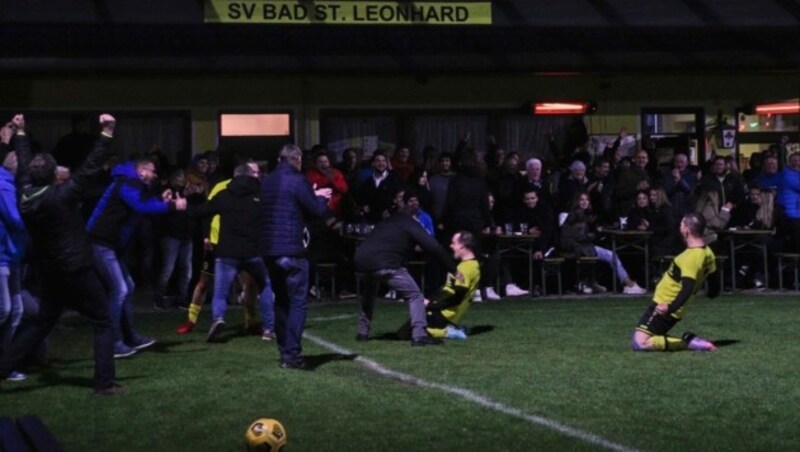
240	217
51	213
391	244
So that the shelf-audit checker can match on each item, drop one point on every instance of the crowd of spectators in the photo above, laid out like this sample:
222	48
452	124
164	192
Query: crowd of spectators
563	211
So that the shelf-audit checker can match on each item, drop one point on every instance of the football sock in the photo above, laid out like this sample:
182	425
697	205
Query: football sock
667	343
194	312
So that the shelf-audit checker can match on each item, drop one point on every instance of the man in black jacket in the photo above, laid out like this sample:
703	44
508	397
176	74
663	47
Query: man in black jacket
240	223
382	257
62	250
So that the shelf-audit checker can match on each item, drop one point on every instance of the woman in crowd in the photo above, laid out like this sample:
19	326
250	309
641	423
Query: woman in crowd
578	234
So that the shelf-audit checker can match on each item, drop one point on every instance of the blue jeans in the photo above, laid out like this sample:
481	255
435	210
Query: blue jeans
607	255
226	269
290	281
10	304
176	256
119	283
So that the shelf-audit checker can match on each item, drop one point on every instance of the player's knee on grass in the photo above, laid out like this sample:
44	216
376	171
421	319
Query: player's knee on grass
641	341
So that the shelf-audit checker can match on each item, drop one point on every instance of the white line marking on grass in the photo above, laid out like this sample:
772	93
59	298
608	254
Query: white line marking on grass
486	402
335	317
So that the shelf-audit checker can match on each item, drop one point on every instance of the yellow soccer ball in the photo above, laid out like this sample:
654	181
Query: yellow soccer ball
265	435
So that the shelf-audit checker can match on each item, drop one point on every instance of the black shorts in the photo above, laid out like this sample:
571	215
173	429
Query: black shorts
437	320
209	258
654	323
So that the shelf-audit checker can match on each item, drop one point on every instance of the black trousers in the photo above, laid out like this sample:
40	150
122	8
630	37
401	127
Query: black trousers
84	292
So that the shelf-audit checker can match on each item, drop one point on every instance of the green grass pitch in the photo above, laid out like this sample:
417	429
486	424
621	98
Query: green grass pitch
563	361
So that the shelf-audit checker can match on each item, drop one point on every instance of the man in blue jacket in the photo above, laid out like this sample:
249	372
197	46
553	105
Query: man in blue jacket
789	199
287	199
110	229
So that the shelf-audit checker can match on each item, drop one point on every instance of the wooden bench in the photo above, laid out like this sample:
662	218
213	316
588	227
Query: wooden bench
326	269
582	262
788	261
551	266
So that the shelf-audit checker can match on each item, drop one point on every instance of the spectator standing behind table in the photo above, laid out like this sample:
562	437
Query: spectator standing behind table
467	205
375	195
569	186
601	190
769	178
439	184
632	179
110	228
382	257
324	175
287	200
402	164
61	250
505	189
679	183
535	179
789	199
728	184
675	292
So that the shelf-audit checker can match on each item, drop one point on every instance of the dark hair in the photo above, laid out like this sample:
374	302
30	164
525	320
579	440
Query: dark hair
143	161
42	169
377	153
467	240
322	152
695	223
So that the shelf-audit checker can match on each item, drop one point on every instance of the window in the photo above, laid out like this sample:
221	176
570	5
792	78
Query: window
255	125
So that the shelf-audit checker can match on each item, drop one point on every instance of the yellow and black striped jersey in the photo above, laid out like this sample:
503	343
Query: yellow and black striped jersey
693	263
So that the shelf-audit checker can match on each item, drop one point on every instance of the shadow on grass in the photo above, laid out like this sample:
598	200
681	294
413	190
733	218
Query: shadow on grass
479	329
726	342
314	361
53	378
166	347
403	335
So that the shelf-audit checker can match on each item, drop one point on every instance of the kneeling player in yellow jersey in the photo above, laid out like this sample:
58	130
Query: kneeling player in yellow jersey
675	292
444	314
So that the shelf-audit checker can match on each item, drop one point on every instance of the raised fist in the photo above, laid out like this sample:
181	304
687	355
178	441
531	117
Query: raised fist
19	122
108	123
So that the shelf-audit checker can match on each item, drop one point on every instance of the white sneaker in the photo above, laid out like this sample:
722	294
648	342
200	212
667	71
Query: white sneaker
585	289
491	294
390	294
635	289
512	290
476	297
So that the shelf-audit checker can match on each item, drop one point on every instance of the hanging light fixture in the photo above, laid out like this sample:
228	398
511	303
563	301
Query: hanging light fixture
563	108
781	108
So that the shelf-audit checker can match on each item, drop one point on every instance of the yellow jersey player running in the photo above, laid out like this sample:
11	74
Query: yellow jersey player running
675	292
444	314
